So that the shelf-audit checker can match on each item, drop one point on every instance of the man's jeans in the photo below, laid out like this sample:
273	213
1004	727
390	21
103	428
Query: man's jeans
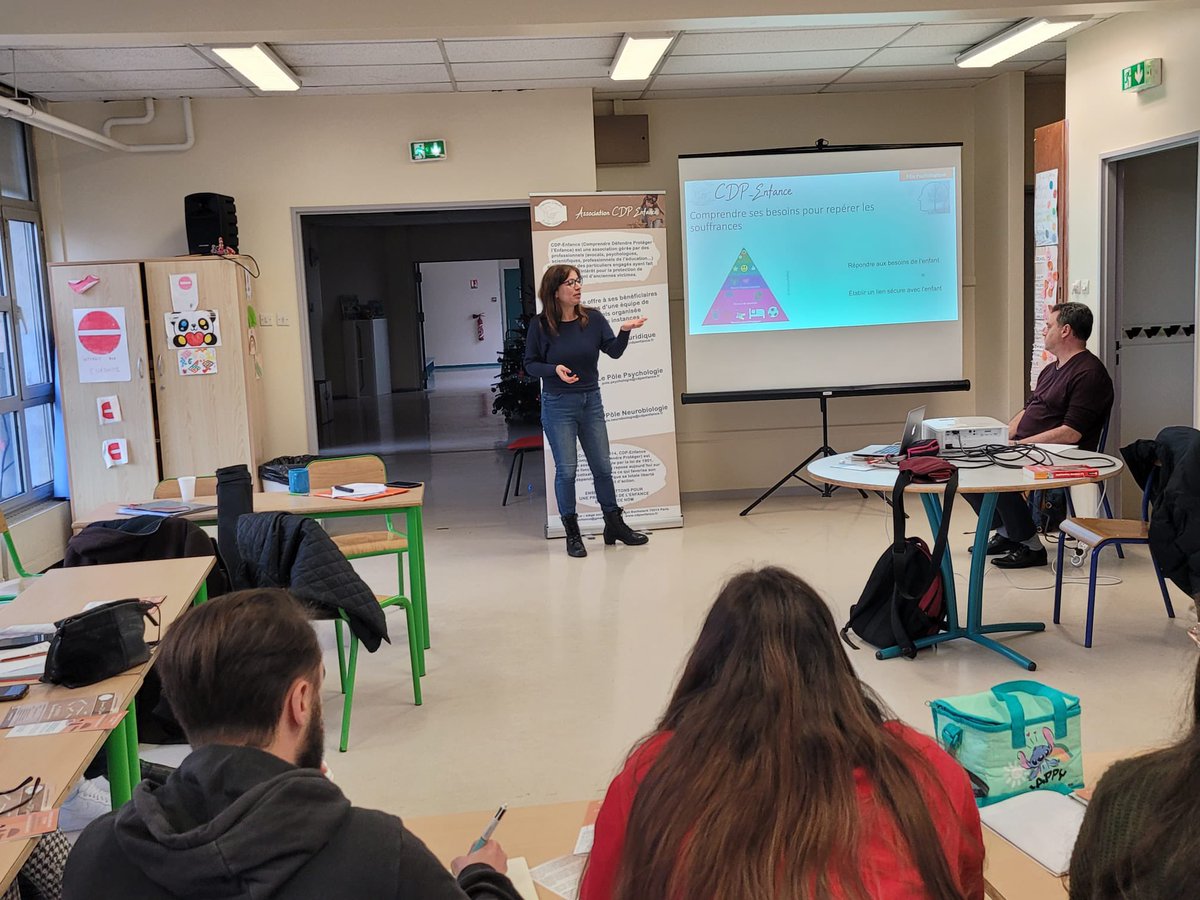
565	417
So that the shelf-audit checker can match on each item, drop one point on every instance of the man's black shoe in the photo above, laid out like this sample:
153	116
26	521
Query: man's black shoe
999	544
1021	558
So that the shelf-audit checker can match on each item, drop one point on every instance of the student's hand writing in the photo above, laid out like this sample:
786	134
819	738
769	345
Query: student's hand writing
566	374
490	854
633	323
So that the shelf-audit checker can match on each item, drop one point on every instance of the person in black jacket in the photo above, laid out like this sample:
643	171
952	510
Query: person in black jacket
249	813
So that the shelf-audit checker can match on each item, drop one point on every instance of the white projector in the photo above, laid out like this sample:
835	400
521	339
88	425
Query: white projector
962	432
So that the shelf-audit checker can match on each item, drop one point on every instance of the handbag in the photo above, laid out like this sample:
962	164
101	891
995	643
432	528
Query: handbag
99	643
904	597
1018	737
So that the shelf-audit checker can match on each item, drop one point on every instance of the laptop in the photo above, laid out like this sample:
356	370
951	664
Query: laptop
912	430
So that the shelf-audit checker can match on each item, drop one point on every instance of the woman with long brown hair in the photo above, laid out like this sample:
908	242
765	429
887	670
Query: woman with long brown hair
1140	838
563	348
775	774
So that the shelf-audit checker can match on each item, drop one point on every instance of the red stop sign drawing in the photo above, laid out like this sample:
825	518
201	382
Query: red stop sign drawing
185	283
99	332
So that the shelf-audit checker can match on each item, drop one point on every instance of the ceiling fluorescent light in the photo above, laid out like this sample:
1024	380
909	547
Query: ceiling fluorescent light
1020	37
258	65
638	56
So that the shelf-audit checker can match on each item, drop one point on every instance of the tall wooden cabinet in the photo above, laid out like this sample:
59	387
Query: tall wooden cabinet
184	411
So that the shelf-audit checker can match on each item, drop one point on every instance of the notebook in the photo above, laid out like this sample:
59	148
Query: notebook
912	430
164	508
1041	824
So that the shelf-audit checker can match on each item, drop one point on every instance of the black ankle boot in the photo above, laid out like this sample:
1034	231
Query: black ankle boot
574	539
615	530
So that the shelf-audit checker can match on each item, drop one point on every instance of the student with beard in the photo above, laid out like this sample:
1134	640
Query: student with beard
249	813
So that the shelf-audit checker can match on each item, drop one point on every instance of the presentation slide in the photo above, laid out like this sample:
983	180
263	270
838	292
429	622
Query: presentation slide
813	269
822	251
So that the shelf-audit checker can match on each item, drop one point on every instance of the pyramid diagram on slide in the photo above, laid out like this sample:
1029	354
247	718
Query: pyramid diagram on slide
744	298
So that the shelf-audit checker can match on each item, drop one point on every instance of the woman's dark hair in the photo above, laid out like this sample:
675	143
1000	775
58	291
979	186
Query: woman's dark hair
754	795
552	280
227	665
1120	861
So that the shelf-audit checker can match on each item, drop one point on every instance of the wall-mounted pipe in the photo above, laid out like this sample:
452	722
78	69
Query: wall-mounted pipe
144	119
94	139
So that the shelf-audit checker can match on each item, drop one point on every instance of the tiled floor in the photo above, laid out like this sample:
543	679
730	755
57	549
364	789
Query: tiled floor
544	670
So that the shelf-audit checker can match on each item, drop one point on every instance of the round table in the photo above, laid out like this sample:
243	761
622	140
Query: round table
989	481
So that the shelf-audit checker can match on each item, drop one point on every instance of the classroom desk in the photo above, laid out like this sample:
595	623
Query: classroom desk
409	503
538	833
60	759
990	481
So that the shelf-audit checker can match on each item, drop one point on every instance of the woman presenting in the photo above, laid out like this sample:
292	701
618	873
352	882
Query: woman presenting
563	349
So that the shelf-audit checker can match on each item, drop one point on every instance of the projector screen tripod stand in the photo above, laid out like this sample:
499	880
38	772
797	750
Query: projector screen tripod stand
824	450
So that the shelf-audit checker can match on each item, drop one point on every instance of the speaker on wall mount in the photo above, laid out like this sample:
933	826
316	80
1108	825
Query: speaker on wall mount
209	218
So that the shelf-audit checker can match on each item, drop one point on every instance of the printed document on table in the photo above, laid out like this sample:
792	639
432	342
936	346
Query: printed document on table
562	875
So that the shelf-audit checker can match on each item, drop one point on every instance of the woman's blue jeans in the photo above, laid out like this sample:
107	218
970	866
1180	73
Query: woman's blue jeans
578	415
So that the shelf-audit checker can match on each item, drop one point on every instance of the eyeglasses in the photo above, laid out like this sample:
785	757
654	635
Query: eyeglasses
30	793
571	282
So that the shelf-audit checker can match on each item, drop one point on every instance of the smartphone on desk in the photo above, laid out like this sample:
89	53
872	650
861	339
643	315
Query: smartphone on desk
23	640
13	692
404	484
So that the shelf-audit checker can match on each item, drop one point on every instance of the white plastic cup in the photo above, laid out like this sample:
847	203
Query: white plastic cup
187	488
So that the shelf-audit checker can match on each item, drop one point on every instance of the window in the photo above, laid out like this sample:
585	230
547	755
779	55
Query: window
27	412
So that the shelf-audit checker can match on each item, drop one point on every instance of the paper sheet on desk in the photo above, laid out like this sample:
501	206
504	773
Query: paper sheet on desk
1041	824
518	874
562	875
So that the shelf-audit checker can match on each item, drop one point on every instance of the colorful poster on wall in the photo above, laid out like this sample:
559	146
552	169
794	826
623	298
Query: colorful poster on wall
1045	276
101	348
198	328
618	241
1045	208
184	295
198	361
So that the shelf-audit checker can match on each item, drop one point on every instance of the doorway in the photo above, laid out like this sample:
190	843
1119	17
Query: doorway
1150	299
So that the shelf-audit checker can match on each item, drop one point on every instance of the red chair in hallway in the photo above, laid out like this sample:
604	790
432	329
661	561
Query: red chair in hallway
519	448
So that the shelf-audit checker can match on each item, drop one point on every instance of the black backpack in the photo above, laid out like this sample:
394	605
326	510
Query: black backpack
904	597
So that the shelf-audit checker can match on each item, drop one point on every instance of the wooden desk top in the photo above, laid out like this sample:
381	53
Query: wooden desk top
59	759
281	501
538	833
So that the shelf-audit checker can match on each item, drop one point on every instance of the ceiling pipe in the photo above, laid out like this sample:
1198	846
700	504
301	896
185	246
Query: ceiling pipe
146	119
94	139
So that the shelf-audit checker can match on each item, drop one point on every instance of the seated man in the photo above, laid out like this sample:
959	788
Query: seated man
1070	405
249	813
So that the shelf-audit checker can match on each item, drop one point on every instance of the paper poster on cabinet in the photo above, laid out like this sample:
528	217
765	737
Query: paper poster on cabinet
115	452
198	328
184	296
101	345
198	361
108	409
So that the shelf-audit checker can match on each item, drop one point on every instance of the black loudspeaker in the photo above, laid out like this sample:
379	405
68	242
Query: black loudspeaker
207	218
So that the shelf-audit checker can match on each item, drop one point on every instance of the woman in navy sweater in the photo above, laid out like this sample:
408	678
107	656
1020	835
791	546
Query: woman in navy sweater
563	349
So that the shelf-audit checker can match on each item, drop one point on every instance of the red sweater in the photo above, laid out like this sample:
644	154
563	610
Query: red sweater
887	877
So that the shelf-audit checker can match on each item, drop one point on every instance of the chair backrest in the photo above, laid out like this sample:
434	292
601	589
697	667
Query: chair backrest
1148	489
1103	442
324	473
168	488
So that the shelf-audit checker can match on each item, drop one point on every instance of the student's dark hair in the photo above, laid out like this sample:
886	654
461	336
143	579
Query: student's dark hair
1167	851
1077	315
552	280
226	665
754	795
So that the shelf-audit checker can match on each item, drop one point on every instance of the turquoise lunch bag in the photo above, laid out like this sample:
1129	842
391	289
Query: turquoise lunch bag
1020	736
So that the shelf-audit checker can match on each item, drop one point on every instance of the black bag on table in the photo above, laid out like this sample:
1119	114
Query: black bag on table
904	598
99	643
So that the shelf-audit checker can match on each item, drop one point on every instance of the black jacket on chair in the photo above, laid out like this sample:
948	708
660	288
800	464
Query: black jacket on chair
293	552
1175	517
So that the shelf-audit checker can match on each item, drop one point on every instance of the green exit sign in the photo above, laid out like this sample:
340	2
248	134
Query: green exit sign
425	151
1142	75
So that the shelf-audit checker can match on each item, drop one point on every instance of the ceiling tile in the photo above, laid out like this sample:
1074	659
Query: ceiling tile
103	59
195	94
532	69
531	84
763	62
960	35
745	79
914	56
331	76
846	87
785	40
616	95
732	92
146	82
534	48
360	53
906	73
439	88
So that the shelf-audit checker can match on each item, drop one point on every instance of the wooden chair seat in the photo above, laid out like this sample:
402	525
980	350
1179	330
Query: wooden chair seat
1095	531
360	543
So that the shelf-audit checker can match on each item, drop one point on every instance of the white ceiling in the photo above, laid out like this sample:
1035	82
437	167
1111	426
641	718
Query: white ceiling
699	64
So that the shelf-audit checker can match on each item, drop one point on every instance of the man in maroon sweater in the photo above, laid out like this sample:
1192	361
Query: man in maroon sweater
1070	405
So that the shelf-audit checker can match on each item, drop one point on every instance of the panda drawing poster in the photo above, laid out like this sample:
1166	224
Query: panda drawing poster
193	330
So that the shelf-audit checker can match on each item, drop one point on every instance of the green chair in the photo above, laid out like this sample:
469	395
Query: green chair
14	556
348	668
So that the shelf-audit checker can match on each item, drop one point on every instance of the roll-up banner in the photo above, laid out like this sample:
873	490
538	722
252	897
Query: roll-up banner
618	242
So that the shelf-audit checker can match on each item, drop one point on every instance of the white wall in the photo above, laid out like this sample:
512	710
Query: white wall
449	302
279	154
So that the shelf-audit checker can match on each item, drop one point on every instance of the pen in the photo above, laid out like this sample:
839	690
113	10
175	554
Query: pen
491	826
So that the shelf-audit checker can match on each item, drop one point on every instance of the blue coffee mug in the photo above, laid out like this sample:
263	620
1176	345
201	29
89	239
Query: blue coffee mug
298	480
